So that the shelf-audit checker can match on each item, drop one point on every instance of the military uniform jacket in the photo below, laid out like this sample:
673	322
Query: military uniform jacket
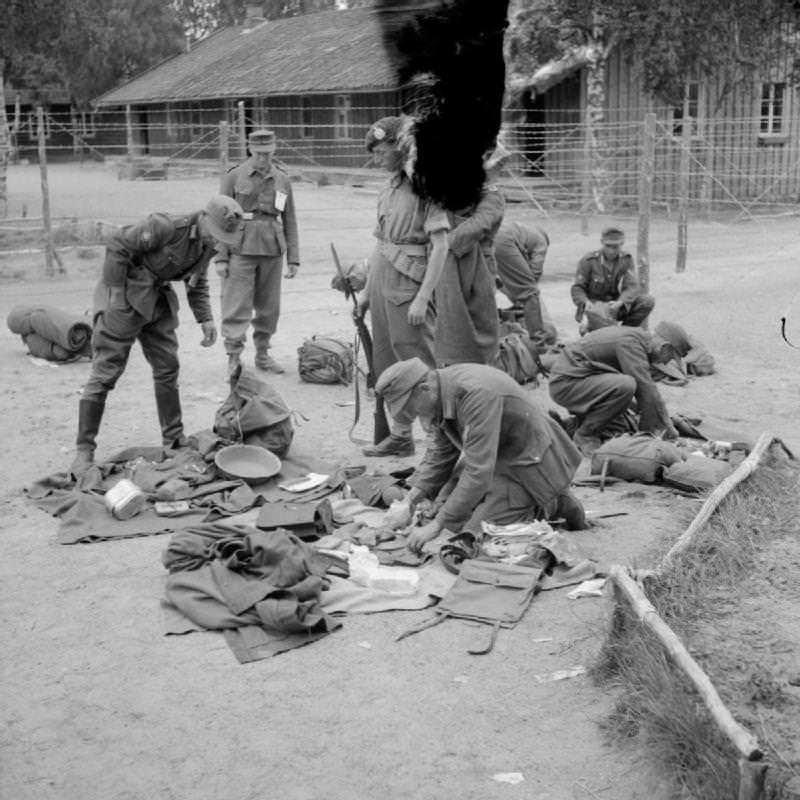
488	417
270	227
622	349
597	278
515	240
145	257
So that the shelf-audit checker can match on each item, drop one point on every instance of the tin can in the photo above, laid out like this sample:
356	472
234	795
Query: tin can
125	499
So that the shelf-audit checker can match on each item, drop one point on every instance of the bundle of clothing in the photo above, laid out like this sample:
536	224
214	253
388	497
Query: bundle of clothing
51	333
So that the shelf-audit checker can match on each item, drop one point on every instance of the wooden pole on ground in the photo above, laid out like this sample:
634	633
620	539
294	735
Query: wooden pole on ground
646	170
683	191
744	470
742	739
223	146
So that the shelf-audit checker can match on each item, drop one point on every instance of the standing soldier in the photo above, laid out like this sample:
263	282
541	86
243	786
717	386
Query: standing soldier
606	288
404	269
134	299
520	250
251	268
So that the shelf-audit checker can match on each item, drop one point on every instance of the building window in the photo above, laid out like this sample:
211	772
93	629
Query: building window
772	106
306	118
688	113
341	120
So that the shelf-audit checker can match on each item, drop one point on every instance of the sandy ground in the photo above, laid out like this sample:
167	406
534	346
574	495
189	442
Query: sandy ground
98	704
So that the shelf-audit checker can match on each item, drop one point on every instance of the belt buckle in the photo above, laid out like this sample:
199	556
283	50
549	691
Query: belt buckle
248	215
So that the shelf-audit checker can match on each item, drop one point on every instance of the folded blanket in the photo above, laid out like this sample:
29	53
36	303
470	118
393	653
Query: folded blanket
50	332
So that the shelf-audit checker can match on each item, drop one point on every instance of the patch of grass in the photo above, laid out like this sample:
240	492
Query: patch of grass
657	706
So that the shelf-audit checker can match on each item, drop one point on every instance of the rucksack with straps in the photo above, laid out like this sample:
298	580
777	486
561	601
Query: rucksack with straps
323	359
517	355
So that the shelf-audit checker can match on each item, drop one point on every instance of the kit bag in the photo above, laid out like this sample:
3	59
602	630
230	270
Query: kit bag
254	413
323	359
697	474
516	355
640	457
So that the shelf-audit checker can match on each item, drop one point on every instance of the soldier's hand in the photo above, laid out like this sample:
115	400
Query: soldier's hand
417	311
420	534
291	270
222	268
209	333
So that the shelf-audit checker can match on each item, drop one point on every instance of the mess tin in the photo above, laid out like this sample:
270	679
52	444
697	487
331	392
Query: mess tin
125	499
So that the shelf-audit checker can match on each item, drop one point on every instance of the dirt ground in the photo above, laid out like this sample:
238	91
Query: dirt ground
98	704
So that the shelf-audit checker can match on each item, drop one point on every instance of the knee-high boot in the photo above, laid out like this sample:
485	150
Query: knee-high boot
90	414
168	403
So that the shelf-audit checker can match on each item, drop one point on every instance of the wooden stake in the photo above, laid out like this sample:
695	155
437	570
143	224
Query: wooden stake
683	189
129	134
223	146
744	470
743	740
646	170
48	232
242	121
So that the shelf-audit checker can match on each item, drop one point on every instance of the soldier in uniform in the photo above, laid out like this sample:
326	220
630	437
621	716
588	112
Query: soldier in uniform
404	269
251	268
597	377
134	299
606	288
516	462
520	250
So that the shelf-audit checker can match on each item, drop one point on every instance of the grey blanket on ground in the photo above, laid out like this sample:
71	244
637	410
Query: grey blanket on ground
51	333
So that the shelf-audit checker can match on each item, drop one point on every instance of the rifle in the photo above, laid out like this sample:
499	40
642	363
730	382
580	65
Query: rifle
381	423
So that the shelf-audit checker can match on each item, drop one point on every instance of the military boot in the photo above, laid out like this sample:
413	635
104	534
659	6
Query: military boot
266	362
392	445
90	414
168	404
570	509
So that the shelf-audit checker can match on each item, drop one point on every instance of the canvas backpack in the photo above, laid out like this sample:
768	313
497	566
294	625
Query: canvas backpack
516	354
254	413
323	359
635	458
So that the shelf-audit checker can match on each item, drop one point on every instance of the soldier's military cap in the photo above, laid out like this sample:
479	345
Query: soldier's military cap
261	141
224	218
386	130
398	381
612	235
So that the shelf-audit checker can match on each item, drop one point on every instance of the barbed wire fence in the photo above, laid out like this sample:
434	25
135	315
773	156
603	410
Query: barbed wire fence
728	170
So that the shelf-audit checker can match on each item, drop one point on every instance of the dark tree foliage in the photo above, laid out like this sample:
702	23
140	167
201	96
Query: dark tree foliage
453	53
669	40
82	48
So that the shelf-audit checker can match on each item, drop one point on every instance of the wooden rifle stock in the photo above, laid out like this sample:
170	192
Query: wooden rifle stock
380	422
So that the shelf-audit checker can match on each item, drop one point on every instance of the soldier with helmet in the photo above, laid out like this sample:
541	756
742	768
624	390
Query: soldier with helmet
606	289
134	299
250	268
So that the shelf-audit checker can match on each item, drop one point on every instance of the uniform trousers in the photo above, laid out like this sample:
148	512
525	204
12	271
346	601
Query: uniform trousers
596	399
251	293
115	331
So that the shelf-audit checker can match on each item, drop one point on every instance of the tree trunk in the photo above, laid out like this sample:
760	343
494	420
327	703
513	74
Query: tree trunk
595	114
4	146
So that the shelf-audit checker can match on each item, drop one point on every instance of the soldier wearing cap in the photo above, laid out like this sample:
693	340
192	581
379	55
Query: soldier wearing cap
250	268
606	288
597	378
404	269
134	299
516	462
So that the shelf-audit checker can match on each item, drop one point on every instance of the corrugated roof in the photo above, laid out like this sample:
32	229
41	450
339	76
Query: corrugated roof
323	52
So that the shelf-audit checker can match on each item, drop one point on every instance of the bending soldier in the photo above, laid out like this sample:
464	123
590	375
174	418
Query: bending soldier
134	299
516	462
597	378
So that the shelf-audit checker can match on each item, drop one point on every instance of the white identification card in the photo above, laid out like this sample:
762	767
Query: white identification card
280	200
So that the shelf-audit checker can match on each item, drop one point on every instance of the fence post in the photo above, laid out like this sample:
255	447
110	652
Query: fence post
48	233
223	146
129	132
646	169
5	145
683	193
586	183
242	129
